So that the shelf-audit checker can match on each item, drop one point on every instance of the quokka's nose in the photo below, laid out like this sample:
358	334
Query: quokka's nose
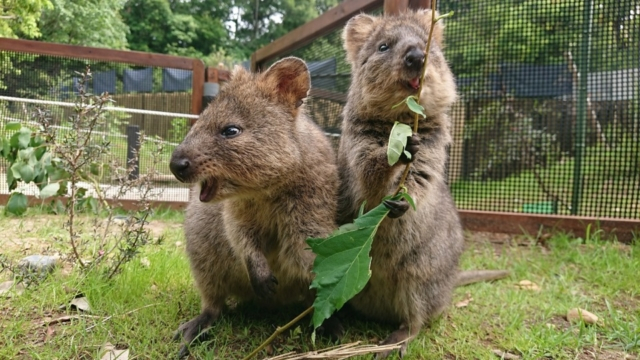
414	58
179	166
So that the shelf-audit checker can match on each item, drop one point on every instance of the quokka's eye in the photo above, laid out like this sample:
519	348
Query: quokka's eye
383	47
230	131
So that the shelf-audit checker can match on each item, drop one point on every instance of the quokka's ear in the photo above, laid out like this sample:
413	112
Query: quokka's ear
425	18
355	34
288	81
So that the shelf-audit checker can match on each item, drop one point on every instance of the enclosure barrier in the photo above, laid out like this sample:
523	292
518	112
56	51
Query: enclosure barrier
167	91
546	132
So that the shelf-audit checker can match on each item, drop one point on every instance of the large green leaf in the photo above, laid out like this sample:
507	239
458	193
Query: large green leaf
13	126
397	142
21	139
49	190
342	262
23	171
17	204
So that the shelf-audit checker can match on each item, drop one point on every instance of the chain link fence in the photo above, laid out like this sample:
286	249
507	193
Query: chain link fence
548	120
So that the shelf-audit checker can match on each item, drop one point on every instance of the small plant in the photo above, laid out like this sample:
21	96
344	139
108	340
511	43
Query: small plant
69	163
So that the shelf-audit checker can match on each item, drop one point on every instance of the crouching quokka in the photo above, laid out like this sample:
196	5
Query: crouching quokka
264	180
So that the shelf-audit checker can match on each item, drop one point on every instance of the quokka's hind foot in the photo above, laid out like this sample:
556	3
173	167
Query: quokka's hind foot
194	329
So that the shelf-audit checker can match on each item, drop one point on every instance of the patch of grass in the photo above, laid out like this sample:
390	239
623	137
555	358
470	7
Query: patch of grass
147	304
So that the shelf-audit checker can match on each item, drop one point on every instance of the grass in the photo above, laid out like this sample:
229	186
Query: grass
147	304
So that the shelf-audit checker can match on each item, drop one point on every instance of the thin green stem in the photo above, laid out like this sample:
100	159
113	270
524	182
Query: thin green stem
424	72
279	331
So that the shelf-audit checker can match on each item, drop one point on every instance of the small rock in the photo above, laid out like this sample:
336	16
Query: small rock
576	315
120	219
505	355
40	265
10	288
528	285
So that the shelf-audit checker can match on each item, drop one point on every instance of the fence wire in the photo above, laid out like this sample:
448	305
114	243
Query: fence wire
57	79
548	119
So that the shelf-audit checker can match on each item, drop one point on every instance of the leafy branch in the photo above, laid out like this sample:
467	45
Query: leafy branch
413	103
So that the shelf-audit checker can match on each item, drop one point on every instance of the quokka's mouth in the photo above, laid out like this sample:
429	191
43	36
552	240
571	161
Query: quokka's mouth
414	83
208	189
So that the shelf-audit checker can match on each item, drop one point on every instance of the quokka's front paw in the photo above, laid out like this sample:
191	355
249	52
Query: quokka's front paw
265	285
396	208
413	146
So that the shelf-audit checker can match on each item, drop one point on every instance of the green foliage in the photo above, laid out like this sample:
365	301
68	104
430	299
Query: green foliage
17	204
342	263
397	142
85	22
179	129
484	34
29	161
19	18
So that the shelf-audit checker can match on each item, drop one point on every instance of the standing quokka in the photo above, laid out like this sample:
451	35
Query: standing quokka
414	257
265	180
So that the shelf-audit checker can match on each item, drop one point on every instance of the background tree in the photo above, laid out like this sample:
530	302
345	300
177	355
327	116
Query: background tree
85	22
19	18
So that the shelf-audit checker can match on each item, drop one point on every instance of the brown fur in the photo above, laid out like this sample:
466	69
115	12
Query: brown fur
415	257
276	184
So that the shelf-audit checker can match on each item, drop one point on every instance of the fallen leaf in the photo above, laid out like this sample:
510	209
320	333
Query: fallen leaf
505	355
10	289
465	302
111	353
528	285
81	303
577	315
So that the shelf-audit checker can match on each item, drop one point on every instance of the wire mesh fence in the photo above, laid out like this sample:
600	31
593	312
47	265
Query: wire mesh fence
165	90
548	119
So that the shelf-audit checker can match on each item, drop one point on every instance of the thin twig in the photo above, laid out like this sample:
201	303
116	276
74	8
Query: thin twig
279	331
424	71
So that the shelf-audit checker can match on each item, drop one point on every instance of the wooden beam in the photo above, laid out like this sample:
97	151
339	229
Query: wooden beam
322	25
97	54
515	223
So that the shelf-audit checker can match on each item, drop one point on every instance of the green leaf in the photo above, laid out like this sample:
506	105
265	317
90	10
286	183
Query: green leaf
49	190
21	139
13	126
94	168
397	142
26	154
342	263
415	107
17	204
403	195
27	173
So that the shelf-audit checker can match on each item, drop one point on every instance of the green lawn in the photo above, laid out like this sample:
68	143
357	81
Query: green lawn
141	307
